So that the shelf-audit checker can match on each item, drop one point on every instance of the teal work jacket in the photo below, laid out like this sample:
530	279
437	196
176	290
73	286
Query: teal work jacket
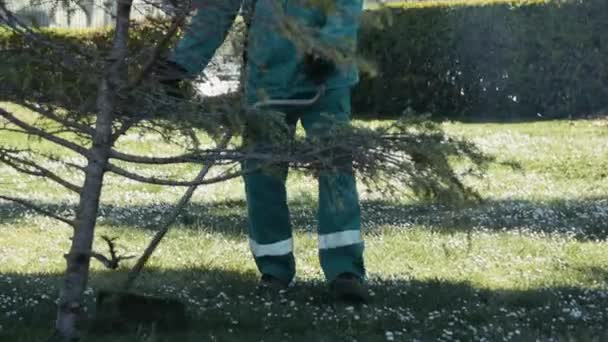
281	33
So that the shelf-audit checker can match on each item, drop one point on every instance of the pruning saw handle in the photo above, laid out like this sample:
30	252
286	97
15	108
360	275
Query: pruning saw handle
292	102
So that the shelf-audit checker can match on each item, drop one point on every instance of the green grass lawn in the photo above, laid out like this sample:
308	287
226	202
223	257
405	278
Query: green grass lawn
528	264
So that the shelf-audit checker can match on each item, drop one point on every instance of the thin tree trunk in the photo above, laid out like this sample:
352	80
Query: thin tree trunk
169	220
70	310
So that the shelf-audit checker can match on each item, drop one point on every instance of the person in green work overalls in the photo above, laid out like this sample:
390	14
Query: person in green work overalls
294	49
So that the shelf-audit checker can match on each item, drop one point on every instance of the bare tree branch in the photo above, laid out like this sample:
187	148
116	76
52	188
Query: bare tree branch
298	155
49	113
114	261
178	159
39	209
31	168
169	220
56	131
168	182
29	129
64	162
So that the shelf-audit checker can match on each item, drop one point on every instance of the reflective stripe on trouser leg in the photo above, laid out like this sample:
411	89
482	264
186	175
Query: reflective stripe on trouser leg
340	243
270	236
271	249
275	259
340	239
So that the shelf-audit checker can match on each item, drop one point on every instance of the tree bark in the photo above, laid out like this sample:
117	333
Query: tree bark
70	311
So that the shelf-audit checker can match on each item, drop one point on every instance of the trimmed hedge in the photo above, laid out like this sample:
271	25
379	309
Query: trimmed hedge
489	62
40	70
36	69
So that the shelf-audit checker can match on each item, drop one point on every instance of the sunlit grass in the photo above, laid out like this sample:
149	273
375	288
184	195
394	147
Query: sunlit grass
528	263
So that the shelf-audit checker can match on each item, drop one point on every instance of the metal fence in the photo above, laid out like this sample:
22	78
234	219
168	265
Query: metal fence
75	14
91	13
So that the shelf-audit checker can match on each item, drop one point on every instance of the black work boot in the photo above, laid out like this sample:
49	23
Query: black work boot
349	288
270	283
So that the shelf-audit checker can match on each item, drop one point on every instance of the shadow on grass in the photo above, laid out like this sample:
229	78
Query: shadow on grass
511	118
584	219
224	305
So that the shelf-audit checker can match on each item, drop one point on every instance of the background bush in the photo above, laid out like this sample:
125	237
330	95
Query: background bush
42	68
490	62
469	62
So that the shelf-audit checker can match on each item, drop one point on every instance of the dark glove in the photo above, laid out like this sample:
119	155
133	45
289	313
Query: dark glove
317	67
171	76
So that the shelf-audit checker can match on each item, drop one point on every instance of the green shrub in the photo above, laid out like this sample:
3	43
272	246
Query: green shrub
44	68
489	62
38	68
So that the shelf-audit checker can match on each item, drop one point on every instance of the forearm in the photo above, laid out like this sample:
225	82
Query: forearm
334	49
341	27
207	31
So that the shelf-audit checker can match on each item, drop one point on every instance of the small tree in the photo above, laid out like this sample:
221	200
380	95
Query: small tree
102	92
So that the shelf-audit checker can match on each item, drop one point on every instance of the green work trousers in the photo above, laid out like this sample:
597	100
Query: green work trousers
339	215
